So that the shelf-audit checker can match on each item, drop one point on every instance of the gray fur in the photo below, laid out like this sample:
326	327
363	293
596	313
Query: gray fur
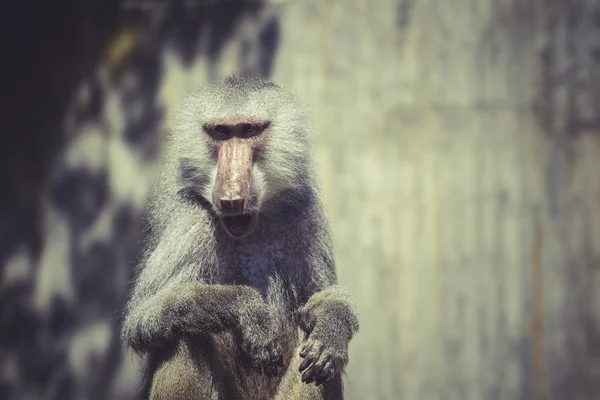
219	317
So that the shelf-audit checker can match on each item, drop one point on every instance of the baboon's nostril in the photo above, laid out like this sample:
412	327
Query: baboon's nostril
235	206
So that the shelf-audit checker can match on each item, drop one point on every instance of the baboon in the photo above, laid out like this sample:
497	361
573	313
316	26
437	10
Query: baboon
236	296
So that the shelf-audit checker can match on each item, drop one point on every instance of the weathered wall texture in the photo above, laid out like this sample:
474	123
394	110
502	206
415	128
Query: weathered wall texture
459	149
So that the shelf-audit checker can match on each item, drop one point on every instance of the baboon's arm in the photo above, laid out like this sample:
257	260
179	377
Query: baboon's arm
191	308
169	300
327	309
328	317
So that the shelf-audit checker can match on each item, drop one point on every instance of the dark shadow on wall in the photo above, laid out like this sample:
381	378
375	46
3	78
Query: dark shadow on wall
48	51
567	109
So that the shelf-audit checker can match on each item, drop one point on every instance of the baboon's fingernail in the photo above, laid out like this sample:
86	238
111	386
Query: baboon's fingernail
304	364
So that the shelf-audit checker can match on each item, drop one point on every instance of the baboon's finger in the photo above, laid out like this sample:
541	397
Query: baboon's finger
326	373
306	348
305	364
310	352
312	373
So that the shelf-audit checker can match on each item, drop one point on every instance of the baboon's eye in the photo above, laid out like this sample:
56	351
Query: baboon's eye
219	132
221	129
247	128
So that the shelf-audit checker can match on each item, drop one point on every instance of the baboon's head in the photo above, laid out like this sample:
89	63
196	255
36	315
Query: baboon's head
240	143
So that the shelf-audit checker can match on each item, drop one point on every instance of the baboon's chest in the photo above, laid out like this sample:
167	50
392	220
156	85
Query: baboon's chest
257	268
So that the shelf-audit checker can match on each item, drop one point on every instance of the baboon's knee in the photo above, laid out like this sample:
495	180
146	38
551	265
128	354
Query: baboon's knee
182	376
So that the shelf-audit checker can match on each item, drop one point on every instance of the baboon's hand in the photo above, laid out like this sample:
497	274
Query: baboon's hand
329	321
262	343
325	355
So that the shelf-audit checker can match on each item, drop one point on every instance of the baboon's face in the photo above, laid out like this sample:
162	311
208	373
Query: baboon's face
239	147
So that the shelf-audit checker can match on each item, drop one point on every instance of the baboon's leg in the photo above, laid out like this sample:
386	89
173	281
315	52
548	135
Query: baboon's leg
292	387
182	373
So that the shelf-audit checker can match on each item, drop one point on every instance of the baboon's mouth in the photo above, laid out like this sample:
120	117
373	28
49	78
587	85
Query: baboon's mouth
239	225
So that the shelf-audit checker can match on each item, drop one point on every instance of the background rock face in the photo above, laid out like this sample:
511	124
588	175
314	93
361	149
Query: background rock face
458	147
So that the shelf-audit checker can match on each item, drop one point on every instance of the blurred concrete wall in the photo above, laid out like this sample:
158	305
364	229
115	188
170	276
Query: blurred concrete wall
458	147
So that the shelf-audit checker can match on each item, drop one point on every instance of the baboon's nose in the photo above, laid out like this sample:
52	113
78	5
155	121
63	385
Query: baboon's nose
235	206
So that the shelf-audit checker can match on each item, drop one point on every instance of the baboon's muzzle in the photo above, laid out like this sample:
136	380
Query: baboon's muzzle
233	187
